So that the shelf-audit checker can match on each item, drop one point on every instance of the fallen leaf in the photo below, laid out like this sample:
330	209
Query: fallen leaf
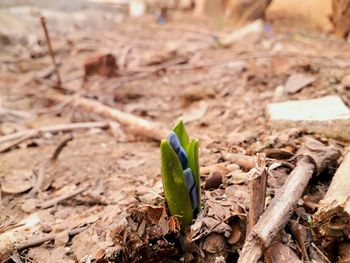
214	243
18	181
158	57
236	234
61	239
130	162
38	254
104	65
213	181
298	81
195	111
236	177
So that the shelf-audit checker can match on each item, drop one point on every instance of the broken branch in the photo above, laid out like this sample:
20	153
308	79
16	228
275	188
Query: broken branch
258	177
311	161
137	125
30	133
61	198
41	240
52	53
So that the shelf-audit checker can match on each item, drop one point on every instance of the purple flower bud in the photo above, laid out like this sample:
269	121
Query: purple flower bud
189	179
182	157
191	187
194	198
174	142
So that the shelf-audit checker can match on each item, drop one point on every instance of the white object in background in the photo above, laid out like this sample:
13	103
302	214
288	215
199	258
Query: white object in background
322	109
137	8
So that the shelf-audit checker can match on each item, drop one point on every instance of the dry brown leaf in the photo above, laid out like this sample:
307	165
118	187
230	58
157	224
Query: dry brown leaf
39	254
214	243
298	81
237	177
18	181
195	111
61	239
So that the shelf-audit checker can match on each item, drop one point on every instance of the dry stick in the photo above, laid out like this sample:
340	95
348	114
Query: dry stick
313	159
41	240
61	198
60	147
52	54
135	124
11	144
258	177
40	182
53	128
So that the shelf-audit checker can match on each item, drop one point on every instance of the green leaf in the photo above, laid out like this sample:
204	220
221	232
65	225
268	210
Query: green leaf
181	132
193	163
175	190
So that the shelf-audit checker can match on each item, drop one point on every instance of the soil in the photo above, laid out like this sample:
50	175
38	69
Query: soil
221	93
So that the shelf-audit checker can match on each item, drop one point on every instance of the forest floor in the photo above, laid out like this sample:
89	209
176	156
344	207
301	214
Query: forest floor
165	71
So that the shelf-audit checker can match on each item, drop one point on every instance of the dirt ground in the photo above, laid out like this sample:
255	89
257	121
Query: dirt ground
221	93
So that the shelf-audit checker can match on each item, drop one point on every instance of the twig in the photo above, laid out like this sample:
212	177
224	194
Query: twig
123	62
42	184
311	161
52	54
135	124
54	128
149	71
258	177
11	144
60	147
39	241
61	198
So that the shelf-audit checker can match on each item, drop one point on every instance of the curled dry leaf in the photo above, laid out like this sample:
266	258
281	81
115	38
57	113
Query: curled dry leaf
18	181
237	177
214	243
214	181
195	111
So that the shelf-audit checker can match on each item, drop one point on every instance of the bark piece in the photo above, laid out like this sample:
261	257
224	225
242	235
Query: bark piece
279	253
282	206
333	216
257	191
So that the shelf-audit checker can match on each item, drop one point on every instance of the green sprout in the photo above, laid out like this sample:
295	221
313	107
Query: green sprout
180	174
